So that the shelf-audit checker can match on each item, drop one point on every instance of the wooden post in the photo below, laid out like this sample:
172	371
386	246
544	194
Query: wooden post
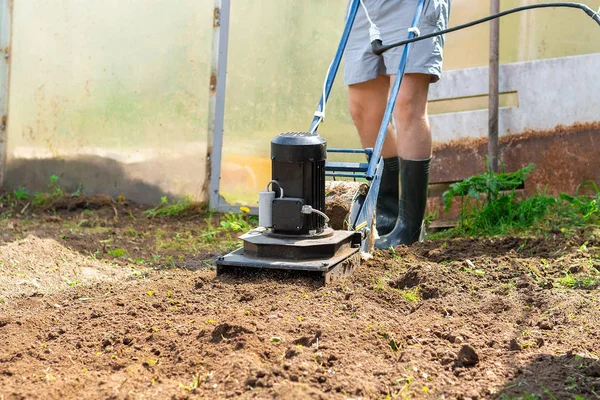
493	87
5	50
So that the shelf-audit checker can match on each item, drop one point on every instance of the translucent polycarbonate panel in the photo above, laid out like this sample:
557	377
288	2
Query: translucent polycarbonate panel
278	56
110	94
280	50
525	36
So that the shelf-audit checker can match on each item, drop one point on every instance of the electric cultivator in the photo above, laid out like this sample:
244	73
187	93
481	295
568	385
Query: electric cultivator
293	233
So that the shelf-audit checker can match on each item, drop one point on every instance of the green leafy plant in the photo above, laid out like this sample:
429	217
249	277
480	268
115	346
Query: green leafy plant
55	189
117	252
170	209
588	207
20	194
193	385
579	282
54	192
379	284
411	295
490	204
234	222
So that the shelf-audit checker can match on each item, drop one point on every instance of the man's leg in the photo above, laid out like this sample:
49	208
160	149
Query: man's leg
410	114
367	101
414	149
367	106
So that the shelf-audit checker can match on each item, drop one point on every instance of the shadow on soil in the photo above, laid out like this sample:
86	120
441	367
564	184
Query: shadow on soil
463	249
236	275
568	376
104	175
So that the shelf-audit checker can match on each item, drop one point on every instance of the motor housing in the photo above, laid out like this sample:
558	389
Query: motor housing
298	167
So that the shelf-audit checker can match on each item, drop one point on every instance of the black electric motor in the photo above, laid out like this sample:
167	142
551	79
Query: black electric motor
293	233
298	166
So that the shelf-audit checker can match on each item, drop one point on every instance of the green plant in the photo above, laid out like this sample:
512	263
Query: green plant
411	295
490	204
379	284
193	385
20	194
54	192
234	222
170	209
587	207
580	282
117	252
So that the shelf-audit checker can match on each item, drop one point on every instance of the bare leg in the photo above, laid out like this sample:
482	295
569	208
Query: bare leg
367	101
410	114
414	149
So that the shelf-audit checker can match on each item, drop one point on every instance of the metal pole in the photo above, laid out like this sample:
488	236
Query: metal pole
216	105
5	42
493	87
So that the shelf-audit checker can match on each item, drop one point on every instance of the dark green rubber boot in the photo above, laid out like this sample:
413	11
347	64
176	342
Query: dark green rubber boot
386	212
414	182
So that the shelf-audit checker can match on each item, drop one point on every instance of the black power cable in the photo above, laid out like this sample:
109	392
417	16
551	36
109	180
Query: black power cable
379	48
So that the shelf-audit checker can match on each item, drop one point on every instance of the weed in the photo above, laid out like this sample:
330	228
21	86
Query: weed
411	295
587	206
170	209
55	189
548	392
117	252
490	205
394	253
430	217
390	341
192	386
78	191
132	232
20	194
234	222
571	383
54	192
379	284
586	282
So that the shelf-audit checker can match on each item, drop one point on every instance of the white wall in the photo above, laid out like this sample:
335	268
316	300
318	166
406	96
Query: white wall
551	92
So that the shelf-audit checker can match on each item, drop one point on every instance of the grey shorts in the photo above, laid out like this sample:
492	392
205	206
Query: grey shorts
393	18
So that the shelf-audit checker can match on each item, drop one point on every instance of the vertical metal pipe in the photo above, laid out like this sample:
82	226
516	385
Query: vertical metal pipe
5	42
493	88
216	106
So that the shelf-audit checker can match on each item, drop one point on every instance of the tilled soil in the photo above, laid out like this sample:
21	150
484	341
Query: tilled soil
464	318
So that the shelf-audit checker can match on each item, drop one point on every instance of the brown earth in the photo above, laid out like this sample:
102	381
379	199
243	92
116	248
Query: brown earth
465	318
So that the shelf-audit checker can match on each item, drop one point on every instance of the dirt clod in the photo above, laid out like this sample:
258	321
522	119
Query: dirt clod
546	325
227	331
246	297
514	345
467	356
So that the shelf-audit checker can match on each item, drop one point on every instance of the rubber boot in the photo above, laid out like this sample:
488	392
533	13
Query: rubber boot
387	199
414	182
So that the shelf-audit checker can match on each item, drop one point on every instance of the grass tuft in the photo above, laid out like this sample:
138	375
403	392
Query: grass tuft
490	206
